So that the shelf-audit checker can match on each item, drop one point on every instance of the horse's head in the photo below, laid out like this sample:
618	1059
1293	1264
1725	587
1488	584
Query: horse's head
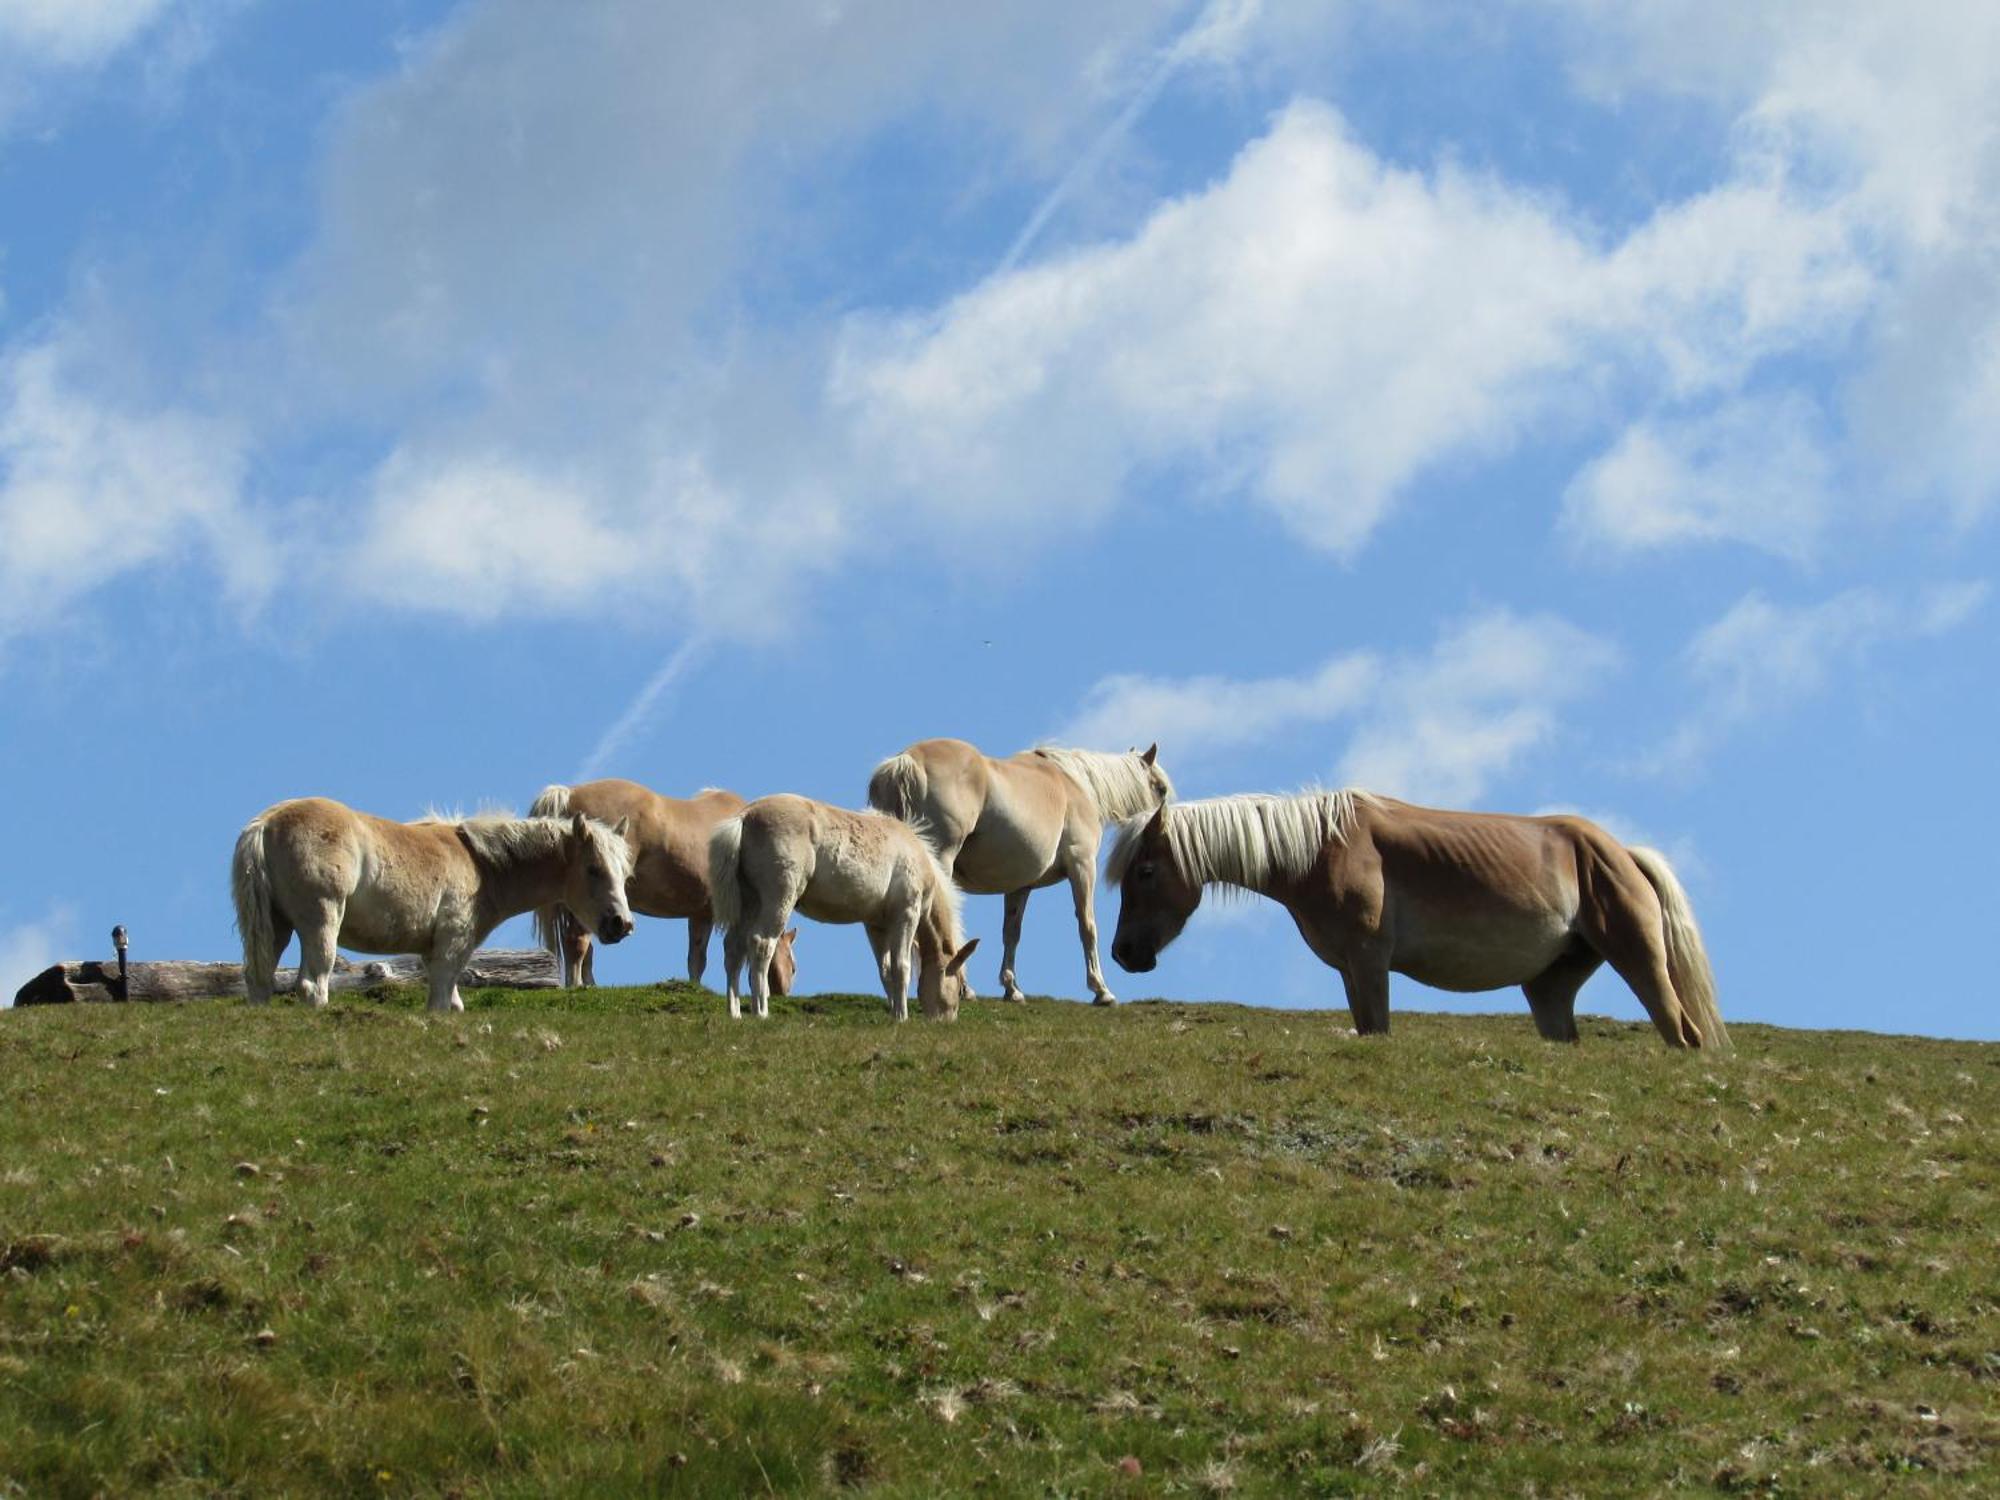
1155	899
599	862
941	980
1156	774
785	963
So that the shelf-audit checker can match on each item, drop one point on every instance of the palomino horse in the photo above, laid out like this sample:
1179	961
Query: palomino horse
1009	827
435	888
668	837
1458	900
786	853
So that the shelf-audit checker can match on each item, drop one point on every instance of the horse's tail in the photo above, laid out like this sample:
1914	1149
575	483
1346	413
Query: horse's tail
898	786
725	861
1687	958
250	889
552	803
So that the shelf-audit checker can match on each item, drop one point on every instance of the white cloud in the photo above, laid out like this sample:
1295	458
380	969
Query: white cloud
74	33
1893	109
1450	724
1756	471
1194	717
1441	726
1761	659
1319	330
29	948
91	489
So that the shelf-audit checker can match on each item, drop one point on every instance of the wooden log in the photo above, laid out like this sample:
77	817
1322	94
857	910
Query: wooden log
92	982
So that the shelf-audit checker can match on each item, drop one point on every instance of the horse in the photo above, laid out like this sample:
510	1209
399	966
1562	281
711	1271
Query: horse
789	853
1456	900
668	837
435	887
1009	827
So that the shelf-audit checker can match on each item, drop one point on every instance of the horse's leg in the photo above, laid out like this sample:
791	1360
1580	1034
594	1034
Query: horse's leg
700	925
896	975
1552	993
760	949
732	966
319	935
1634	943
1083	886
444	984
1367	981
1010	937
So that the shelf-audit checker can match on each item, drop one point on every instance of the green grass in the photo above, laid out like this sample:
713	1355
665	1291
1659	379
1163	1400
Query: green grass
615	1243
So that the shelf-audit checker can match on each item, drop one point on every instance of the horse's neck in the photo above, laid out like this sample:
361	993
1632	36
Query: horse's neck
1228	860
519	879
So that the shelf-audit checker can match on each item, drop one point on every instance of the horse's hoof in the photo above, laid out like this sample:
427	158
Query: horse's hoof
1015	997
1107	998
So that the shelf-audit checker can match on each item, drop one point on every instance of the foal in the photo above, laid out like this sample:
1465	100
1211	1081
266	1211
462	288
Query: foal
435	888
787	853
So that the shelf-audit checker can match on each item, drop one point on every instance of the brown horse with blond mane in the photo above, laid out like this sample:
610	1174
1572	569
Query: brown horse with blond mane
1457	900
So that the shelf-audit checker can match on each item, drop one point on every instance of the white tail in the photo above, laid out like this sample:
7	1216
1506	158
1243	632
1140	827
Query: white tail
725	889
250	888
553	803
898	787
1687	958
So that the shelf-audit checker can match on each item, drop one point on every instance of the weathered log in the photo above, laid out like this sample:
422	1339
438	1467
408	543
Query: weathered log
92	982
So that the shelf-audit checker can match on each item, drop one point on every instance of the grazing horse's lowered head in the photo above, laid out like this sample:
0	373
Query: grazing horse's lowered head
785	963
1156	897
597	864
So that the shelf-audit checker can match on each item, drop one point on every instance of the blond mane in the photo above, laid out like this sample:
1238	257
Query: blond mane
1244	840
1120	785
500	838
946	892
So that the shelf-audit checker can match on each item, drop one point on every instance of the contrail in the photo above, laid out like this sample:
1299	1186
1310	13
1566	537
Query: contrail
613	741
1207	35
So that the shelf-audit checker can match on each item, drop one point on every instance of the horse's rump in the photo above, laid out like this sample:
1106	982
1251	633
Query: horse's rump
899	786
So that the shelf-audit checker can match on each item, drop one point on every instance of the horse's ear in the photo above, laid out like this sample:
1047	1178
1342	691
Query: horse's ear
958	959
1152	754
791	936
578	826
1156	826
621	827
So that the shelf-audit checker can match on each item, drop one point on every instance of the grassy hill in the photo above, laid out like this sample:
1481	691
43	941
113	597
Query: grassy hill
619	1244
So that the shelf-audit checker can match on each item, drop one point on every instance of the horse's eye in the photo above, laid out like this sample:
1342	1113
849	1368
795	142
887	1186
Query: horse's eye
1145	870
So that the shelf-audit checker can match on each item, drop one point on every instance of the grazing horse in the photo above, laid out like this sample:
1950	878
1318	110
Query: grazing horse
1458	900
668	837
786	853
1009	827
434	888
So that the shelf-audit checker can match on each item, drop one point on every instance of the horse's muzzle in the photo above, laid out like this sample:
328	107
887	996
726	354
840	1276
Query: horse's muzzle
614	928
1128	957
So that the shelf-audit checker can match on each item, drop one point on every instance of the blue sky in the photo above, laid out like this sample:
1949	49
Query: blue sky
1522	405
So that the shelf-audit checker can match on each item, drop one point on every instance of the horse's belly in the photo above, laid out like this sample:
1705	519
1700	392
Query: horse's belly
1470	954
375	924
995	862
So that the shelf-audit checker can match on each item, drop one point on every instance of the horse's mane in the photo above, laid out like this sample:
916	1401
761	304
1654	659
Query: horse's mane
502	838
1244	840
1119	784
947	888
